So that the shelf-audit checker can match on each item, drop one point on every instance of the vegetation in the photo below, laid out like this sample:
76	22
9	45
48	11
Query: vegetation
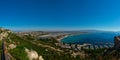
48	54
95	54
46	41
18	53
51	52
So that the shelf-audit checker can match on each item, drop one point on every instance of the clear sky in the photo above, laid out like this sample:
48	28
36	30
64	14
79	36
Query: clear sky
60	14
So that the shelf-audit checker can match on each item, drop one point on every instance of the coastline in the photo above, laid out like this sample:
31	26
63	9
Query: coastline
59	39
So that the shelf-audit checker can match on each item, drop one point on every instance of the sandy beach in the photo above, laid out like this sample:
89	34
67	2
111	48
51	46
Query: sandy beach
59	39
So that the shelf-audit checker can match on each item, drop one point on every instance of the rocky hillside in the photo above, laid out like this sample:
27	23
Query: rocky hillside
29	48
113	53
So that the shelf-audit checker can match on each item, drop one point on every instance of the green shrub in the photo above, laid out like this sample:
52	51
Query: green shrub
19	53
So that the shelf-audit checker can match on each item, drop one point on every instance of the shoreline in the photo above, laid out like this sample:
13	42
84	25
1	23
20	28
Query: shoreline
59	39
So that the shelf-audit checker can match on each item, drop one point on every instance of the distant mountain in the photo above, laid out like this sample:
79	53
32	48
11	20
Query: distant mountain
73	32
96	31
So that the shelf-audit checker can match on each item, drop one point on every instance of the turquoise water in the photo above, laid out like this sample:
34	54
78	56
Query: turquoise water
92	38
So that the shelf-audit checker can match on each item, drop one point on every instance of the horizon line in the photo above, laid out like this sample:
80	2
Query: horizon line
57	29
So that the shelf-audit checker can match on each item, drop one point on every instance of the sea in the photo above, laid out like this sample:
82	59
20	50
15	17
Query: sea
95	38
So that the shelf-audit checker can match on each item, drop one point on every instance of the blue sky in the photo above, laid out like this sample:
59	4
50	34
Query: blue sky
60	14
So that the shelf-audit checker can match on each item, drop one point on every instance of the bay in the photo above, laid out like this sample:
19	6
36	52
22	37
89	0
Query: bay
92	38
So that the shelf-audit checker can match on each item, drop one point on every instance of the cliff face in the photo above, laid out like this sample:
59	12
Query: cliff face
117	42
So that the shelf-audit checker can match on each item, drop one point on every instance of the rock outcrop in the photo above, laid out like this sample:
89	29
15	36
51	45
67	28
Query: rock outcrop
4	33
117	42
12	46
33	55
41	58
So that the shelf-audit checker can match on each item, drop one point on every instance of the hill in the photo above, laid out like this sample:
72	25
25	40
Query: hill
29	48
